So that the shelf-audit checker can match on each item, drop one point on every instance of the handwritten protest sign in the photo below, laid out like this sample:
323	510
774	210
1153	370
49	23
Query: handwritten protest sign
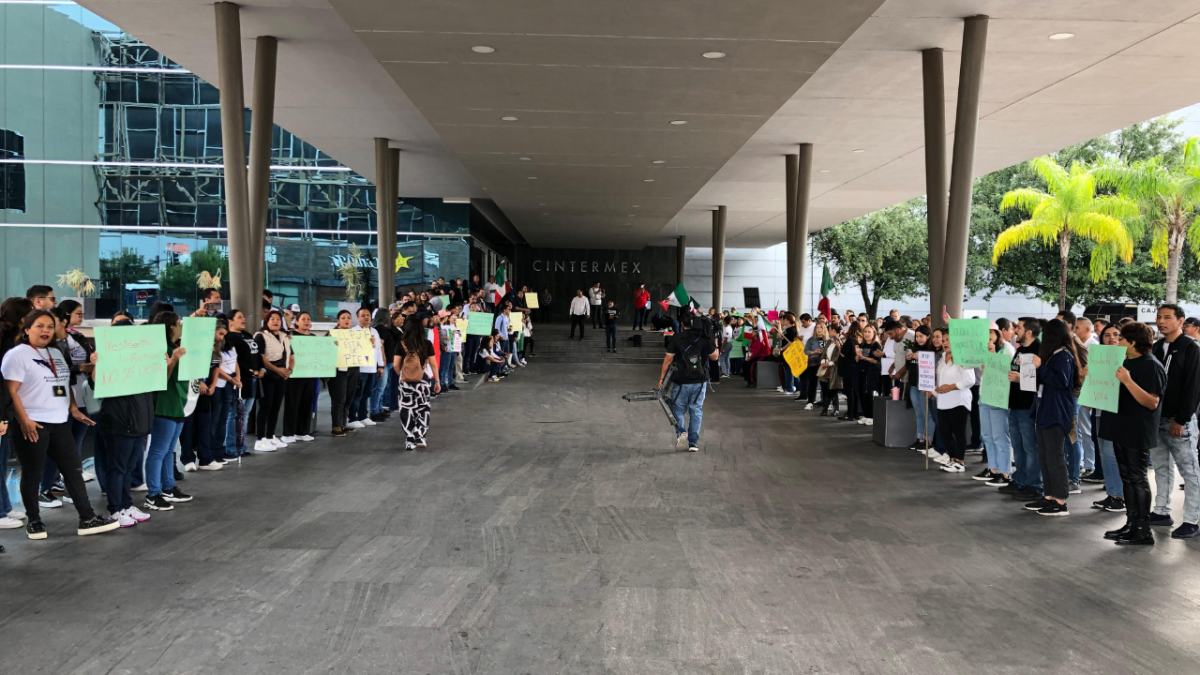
1101	386
479	323
197	339
1028	373
737	349
795	357
968	341
926	371
315	356
130	360
994	388
354	348
531	300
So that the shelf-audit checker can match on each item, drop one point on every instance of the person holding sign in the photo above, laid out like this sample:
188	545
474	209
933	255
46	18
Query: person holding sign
276	350
1109	473
1054	412
1026	477
342	386
300	391
368	375
1180	355
869	354
1133	430
953	393
993	419
226	380
38	381
926	417
161	492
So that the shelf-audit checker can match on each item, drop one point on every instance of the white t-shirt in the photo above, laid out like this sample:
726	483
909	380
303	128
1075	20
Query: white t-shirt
727	333
806	333
228	366
79	357
44	378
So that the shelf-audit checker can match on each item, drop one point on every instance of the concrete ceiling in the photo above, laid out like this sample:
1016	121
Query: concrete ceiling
595	86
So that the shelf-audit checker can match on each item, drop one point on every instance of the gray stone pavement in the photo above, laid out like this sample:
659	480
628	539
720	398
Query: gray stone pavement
551	528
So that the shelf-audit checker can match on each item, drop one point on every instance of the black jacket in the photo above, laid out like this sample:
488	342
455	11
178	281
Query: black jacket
131	415
1181	359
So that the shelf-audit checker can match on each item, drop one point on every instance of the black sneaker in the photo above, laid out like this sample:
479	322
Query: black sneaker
1038	504
986	474
59	488
34	529
1010	489
1117	505
1053	508
47	500
97	525
999	481
1092	477
338	433
176	495
1186	531
1027	494
1161	520
158	503
454	387
1102	503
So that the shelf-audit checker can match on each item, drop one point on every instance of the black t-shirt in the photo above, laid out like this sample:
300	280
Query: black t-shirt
690	344
1135	426
611	314
248	357
1017	399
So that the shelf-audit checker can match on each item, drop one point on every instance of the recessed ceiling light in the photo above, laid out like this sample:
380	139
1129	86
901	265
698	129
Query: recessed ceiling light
483	49
648	180
634	206
526	159
541	204
824	170
545	214
532	177
678	122
659	161
859	150
1062	36
713	55
509	118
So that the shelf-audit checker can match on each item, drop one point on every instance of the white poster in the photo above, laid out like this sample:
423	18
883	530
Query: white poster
926	374
1028	373
1147	313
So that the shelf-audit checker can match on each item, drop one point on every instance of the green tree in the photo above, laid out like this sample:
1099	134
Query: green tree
1069	208
126	267
884	253
1168	194
179	281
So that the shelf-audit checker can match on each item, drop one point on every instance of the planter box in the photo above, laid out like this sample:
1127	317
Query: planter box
895	423
767	374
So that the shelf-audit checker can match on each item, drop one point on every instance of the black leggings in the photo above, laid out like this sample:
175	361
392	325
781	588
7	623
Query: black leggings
1053	459
58	443
952	424
1132	465
848	384
341	387
867	379
297	406
273	387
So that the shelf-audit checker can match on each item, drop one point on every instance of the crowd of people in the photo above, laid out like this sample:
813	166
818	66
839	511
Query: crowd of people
146	442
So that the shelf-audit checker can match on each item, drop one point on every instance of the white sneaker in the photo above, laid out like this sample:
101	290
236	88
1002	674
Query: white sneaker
808	407
19	515
277	442
7	523
368	422
788	393
953	467
861	420
189	467
306	438
287	440
943	459
124	519
356	425
263	445
211	466
137	514
681	442
779	388
139	488
88	476
869	422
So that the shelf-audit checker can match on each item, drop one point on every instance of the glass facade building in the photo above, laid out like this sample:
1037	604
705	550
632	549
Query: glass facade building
111	162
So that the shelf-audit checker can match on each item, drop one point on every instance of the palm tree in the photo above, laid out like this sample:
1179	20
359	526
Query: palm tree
1069	208
1168	195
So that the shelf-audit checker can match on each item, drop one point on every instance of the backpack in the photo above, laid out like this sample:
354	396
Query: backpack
411	370
691	361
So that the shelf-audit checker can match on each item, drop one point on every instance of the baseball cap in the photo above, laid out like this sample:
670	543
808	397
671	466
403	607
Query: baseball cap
293	308
1192	321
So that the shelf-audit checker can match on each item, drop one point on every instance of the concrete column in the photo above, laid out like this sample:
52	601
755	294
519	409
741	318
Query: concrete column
262	131
798	263
383	182
791	169
934	80
242	284
393	216
681	247
718	254
966	122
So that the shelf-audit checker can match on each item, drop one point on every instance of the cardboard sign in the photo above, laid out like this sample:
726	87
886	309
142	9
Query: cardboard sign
1028	373
795	357
1101	386
531	300
968	341
354	349
479	323
315	356
994	388
926	371
131	360
197	339
515	321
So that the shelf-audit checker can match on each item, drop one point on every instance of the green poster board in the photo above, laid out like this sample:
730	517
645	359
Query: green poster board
737	349
994	388
197	339
479	323
130	360
1101	386
315	356
968	341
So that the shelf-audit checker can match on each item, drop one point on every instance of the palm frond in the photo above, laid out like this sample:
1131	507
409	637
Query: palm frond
1050	171
1105	230
1023	233
1158	249
351	274
1026	199
1117	206
78	281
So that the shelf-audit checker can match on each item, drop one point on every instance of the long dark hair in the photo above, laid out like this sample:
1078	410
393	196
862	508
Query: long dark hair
928	346
1056	334
28	321
267	317
12	312
414	337
224	346
169	320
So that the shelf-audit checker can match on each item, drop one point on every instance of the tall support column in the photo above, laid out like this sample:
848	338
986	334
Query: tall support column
718	254
791	170
393	215
681	247
383	224
262	128
966	123
798	263
934	80
233	140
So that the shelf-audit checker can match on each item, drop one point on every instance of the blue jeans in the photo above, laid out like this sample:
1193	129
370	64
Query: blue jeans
377	395
224	406
361	400
689	399
237	430
919	402
1086	427
789	380
1024	446
446	369
124	453
5	450
1074	452
993	426
392	394
610	336
160	460
723	359
1108	461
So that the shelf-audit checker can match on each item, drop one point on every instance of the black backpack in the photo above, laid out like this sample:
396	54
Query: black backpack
691	360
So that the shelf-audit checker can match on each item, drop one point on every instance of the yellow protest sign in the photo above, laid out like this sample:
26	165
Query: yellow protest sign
795	357
354	348
531	300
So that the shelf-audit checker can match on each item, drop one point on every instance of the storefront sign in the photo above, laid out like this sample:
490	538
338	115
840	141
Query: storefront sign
623	267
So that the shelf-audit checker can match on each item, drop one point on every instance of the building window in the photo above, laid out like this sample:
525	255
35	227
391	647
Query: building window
12	176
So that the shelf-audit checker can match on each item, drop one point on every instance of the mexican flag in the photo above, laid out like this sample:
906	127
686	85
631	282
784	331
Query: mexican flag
826	288
677	299
502	282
